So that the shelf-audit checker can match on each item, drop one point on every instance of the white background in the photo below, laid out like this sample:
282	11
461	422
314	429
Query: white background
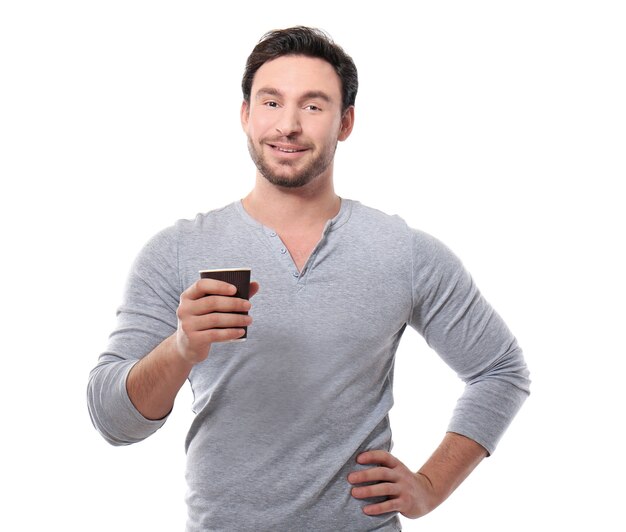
497	126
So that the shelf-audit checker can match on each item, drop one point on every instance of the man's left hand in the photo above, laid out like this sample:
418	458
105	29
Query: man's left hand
409	493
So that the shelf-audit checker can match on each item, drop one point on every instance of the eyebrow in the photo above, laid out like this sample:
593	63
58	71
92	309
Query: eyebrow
314	94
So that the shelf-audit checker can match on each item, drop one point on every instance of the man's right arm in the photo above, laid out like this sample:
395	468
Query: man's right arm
160	335
206	315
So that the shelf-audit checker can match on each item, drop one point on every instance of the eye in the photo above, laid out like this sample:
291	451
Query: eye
271	104
313	107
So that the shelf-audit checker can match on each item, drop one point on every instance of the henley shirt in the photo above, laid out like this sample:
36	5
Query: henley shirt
280	417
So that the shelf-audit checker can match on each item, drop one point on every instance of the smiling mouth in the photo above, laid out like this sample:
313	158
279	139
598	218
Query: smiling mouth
285	149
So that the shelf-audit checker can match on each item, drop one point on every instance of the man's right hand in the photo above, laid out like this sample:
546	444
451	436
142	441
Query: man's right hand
208	313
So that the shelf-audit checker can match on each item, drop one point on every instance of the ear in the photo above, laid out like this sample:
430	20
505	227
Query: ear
245	115
347	123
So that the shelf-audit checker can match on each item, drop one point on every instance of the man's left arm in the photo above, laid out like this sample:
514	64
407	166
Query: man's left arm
466	332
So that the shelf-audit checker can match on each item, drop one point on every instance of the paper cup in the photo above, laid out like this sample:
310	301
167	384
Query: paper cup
239	277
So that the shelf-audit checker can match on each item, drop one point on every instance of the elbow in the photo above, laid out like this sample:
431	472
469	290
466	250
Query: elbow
513	369
111	410
101	419
509	369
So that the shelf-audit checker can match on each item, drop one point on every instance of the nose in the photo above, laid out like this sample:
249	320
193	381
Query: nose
288	123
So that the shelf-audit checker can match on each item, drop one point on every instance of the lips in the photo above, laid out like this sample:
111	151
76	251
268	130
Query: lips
287	148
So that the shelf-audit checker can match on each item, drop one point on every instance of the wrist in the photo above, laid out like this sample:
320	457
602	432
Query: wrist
178	354
431	497
180	350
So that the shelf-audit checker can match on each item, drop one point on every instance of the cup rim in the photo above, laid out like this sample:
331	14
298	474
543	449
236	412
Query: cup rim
226	270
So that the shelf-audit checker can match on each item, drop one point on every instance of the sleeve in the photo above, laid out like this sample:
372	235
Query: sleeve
458	323
145	318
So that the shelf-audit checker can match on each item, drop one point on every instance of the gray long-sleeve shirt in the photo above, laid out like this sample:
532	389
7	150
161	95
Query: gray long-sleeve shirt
281	417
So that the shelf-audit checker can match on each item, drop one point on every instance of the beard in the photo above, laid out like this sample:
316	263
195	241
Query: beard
289	177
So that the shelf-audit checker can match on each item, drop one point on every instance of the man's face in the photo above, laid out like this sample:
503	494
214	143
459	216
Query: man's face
294	120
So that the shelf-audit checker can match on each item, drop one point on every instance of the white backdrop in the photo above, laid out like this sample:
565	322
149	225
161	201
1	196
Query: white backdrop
497	126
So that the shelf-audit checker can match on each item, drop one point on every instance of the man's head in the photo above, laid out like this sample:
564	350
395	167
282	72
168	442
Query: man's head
310	42
299	91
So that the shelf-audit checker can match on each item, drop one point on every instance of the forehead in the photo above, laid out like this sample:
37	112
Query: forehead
296	74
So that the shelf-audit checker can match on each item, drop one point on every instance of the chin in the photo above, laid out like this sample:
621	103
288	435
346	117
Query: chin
288	182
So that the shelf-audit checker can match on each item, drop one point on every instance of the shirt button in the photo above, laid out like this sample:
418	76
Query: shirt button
296	274
283	250
272	233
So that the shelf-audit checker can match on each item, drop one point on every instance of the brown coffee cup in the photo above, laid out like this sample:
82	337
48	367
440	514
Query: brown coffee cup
239	277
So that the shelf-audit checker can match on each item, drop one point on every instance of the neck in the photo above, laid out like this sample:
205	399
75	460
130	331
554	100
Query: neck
282	207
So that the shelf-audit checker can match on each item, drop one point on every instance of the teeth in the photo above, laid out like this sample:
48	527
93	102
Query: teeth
287	150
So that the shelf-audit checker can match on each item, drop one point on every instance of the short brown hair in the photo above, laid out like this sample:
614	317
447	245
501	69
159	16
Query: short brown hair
311	42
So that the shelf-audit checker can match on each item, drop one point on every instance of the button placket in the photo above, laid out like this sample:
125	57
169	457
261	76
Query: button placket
283	256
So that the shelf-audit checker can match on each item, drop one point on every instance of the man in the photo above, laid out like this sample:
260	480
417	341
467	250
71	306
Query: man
291	429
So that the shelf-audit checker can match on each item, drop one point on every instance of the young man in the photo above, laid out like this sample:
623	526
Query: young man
291	429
